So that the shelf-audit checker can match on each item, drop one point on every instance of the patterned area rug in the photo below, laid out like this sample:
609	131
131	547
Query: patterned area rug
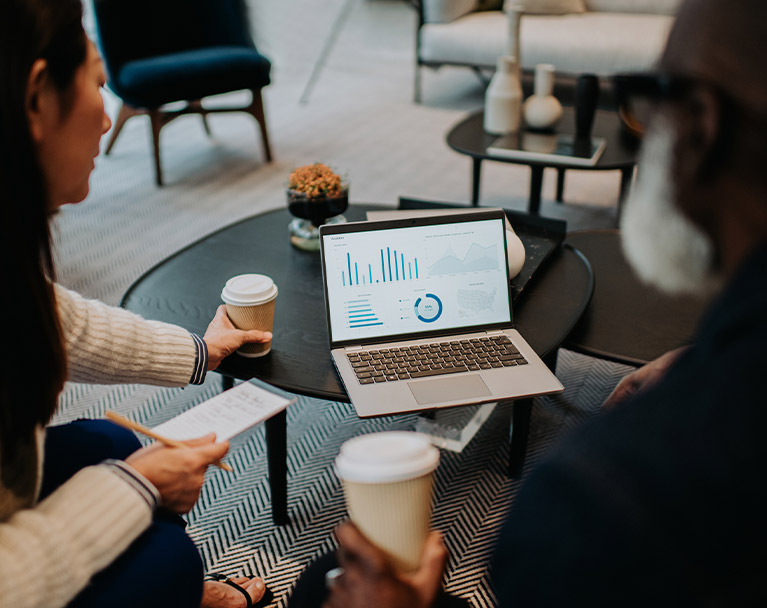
232	525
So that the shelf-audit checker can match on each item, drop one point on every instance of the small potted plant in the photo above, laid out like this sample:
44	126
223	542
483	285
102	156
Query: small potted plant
316	194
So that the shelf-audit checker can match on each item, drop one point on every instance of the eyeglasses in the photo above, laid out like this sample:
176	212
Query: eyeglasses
639	94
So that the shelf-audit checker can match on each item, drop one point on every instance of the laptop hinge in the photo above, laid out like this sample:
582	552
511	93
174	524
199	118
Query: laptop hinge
353	348
495	332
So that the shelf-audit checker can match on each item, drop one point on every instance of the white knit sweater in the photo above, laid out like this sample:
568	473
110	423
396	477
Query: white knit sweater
50	550
108	345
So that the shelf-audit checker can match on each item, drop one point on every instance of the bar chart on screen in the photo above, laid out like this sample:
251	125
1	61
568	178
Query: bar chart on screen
389	266
359	313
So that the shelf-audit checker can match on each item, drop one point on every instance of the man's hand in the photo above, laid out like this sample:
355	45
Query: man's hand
223	338
178	473
643	378
368	579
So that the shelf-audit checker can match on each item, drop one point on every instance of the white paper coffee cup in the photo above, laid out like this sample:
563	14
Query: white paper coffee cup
249	300
388	480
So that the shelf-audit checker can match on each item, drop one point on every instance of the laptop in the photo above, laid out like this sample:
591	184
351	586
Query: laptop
419	314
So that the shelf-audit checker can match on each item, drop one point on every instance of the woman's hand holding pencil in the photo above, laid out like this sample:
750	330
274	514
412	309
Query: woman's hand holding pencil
176	469
140	428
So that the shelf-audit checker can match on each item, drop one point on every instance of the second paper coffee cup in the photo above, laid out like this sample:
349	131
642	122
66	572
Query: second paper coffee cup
249	300
388	480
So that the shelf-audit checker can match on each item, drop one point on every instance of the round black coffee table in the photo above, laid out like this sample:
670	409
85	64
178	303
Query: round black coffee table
185	289
620	153
627	321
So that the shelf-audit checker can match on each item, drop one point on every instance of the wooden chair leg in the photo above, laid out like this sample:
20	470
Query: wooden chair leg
257	110
417	84
206	125
125	113
197	107
156	120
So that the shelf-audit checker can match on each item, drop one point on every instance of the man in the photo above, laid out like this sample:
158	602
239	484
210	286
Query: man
661	500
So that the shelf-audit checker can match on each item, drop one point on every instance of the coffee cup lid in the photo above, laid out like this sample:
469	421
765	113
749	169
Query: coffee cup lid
248	289
386	457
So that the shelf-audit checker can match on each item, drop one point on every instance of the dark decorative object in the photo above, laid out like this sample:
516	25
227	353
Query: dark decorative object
317	210
316	195
313	213
586	98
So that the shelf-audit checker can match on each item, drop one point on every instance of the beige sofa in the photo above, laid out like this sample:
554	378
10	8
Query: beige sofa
608	37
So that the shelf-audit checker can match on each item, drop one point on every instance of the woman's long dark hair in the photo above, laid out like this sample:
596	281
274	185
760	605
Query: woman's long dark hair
32	362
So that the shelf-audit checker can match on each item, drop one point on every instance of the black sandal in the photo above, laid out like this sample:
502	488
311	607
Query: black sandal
267	598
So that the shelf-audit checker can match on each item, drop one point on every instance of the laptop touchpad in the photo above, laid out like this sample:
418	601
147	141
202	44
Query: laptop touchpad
449	389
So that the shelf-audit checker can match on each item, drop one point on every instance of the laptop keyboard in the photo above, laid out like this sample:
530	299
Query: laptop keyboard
436	359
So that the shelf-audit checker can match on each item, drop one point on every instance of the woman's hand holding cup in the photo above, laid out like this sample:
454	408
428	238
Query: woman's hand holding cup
223	338
250	300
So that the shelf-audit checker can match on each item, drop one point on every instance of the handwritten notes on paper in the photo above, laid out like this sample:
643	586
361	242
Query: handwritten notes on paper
226	415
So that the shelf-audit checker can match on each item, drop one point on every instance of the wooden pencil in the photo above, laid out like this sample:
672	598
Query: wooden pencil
140	428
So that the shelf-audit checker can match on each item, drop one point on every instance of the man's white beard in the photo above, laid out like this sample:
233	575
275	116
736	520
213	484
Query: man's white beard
664	247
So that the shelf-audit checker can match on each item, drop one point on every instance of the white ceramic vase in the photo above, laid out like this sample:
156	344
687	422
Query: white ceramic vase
542	110
503	99
514	14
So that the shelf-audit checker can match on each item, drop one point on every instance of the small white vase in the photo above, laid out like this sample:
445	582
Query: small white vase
503	99
514	14
542	110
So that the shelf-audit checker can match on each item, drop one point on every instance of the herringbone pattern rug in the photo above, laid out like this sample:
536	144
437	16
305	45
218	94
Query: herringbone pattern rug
232	524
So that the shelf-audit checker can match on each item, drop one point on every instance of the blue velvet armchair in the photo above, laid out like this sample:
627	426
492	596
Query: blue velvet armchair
162	51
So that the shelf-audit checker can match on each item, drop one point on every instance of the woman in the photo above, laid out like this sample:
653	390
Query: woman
79	517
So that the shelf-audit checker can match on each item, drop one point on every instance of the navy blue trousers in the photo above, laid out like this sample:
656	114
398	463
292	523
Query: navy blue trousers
162	567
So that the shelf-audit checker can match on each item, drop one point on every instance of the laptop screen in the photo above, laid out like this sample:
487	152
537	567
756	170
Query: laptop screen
414	280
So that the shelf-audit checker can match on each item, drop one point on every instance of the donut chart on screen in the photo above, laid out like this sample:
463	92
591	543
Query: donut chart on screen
428	308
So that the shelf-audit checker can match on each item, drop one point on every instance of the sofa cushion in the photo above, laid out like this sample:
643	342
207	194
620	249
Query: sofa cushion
598	43
155	81
551	7
445	11
658	7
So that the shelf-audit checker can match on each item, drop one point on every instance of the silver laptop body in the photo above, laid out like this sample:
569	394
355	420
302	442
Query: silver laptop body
401	294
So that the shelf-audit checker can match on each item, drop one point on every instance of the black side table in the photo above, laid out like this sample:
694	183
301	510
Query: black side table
620	153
